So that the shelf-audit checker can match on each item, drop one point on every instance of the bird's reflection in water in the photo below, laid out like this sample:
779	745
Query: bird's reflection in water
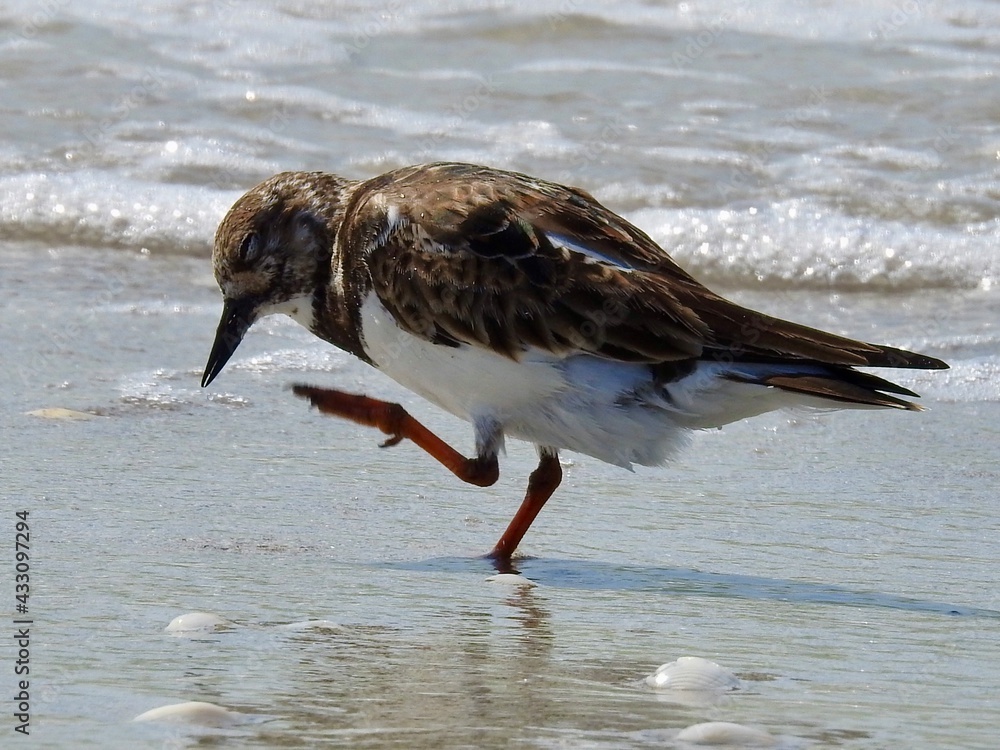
462	678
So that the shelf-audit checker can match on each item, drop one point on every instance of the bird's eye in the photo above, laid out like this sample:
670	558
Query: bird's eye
250	247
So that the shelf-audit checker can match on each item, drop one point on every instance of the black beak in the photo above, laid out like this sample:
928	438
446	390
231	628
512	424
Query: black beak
237	315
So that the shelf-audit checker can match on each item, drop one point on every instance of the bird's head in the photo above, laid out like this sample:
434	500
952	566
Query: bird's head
273	254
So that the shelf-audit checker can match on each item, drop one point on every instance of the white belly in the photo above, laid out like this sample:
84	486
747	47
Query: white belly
570	403
466	381
606	409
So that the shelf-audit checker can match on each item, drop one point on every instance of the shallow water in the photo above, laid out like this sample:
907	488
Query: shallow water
836	166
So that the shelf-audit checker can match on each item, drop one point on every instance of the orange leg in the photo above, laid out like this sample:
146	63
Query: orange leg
394	421
541	484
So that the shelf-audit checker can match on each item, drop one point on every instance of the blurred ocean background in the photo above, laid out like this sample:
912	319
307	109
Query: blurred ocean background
834	163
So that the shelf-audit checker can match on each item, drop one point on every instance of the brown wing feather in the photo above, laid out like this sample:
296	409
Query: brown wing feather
469	266
498	259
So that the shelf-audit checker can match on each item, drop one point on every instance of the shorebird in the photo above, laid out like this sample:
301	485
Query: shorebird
526	308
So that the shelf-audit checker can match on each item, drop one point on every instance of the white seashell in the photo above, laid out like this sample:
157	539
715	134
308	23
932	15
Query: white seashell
58	412
197	622
511	579
193	712
321	625
726	733
693	674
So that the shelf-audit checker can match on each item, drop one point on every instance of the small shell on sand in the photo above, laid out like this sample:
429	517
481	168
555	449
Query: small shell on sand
57	412
194	712
725	734
197	622
693	674
511	579
326	626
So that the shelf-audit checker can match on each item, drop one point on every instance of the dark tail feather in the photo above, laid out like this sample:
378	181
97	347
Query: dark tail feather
844	391
832	382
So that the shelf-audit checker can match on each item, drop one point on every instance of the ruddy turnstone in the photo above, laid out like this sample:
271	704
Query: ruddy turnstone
524	307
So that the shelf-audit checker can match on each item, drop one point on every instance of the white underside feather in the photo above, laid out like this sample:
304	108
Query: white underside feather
299	309
606	409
